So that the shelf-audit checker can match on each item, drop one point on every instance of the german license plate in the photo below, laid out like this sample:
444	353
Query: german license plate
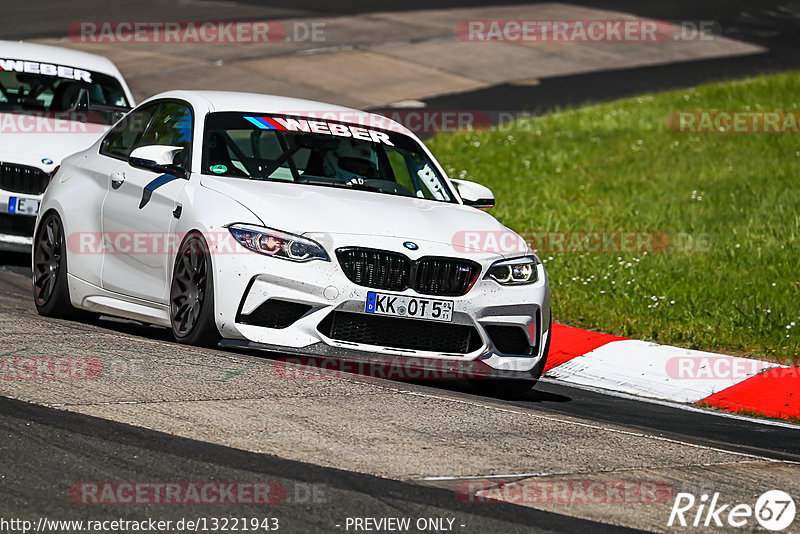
24	206
411	307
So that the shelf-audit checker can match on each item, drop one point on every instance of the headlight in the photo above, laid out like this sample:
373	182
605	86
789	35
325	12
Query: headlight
278	244
518	271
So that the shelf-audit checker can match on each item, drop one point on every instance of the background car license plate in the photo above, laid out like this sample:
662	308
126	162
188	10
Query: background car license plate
25	206
412	307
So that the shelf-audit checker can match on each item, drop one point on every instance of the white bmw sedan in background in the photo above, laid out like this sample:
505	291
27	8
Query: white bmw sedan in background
291	226
53	102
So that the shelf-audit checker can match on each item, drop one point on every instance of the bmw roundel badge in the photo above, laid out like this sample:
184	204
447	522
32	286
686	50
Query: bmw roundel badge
47	161
410	245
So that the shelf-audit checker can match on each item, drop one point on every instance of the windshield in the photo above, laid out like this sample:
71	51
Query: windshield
319	152
43	88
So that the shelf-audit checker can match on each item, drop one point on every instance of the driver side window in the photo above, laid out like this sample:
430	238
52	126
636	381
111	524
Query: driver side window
170	126
122	139
159	123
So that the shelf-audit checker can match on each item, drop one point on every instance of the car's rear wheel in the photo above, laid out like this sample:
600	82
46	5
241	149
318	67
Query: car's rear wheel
192	294
50	289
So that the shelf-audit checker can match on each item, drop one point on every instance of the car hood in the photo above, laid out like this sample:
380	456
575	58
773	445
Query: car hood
306	209
27	143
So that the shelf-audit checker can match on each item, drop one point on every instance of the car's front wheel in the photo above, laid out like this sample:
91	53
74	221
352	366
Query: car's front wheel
50	289
192	294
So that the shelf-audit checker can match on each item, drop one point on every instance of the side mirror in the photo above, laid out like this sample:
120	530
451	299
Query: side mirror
474	194
158	158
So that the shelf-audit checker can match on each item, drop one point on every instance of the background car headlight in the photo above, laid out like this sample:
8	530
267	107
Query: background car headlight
278	244
518	271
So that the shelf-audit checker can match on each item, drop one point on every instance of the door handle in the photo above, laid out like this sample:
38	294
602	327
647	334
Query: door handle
117	179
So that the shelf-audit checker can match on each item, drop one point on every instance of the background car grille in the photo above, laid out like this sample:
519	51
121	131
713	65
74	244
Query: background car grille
21	225
399	333
274	313
23	179
380	269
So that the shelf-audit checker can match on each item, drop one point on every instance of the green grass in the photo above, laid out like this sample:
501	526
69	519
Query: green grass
617	167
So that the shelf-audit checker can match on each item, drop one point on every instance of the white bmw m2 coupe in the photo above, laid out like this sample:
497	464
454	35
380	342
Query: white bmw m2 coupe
262	222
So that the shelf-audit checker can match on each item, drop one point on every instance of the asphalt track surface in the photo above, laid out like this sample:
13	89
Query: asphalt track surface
45	451
774	24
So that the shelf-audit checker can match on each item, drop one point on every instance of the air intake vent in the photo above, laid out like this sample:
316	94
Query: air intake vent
399	333
510	339
274	313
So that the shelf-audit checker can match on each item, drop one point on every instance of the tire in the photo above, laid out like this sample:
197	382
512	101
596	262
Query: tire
191	295
499	387
49	281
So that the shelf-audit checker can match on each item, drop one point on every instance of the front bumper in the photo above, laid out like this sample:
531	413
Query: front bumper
245	281
16	229
15	243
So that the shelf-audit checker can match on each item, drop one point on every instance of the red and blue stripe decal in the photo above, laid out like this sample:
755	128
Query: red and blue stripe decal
265	123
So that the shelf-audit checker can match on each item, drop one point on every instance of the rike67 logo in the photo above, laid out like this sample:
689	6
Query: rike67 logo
774	510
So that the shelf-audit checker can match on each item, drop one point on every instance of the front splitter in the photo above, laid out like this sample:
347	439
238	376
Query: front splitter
329	361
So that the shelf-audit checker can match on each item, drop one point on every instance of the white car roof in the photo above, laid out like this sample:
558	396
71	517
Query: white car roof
57	55
257	103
